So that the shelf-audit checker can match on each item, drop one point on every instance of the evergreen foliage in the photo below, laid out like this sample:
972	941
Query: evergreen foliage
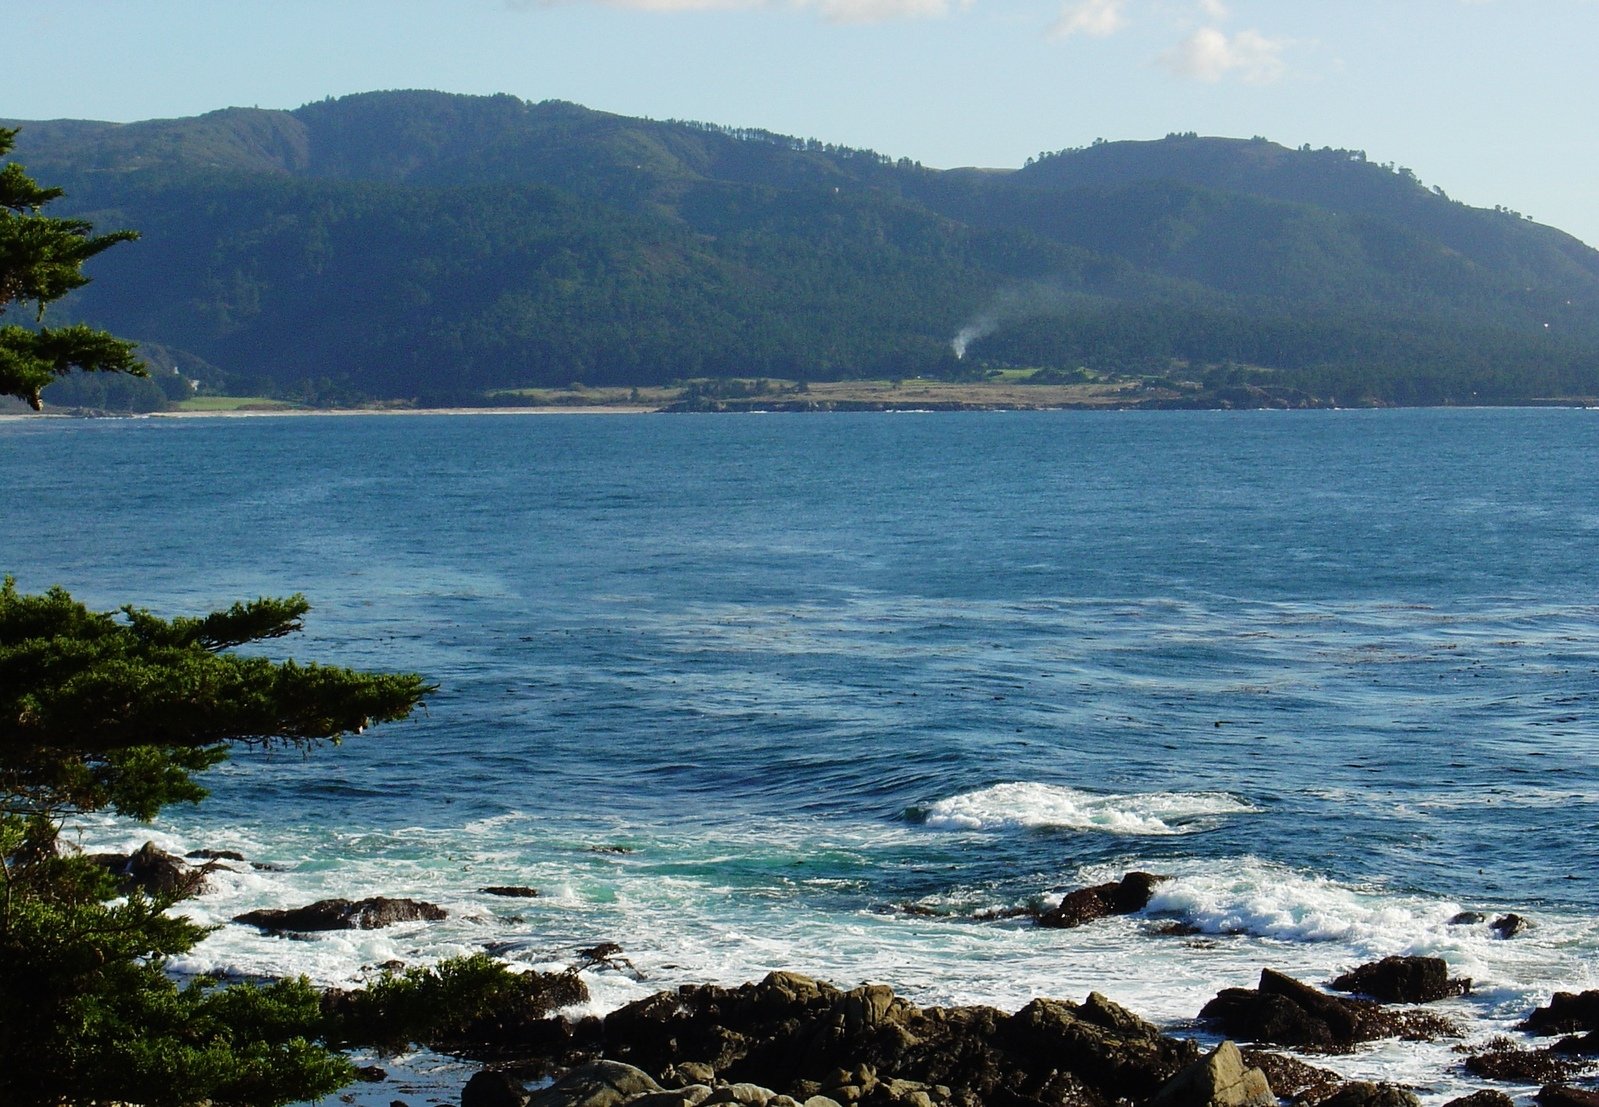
119	711
41	260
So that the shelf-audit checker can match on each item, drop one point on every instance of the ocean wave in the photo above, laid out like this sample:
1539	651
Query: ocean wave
1033	806
1264	900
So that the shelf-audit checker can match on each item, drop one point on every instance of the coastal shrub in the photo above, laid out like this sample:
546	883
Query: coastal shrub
446	1003
120	711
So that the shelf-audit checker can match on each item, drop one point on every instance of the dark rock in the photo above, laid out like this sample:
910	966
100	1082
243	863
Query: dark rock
155	872
1292	1078
370	1074
1284	1011
799	1038
1468	918
343	914
1403	980
1219	1079
1508	926
1131	894
512	891
1585	1044
1560	1095
1359	1093
492	1088
215	854
1104	1045
596	1084
1567	1013
1484	1098
1501	1058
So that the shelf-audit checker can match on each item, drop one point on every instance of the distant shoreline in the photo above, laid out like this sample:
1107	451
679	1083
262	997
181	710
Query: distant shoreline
825	408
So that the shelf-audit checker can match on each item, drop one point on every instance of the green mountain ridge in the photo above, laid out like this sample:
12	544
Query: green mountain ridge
432	246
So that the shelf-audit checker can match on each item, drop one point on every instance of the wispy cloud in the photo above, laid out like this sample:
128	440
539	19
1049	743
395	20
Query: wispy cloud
1211	55
1096	18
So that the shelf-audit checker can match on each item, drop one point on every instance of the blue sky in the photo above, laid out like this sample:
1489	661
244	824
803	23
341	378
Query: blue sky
1494	100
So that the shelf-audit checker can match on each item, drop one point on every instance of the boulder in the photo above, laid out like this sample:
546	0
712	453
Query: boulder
1124	897
1105	1046
1508	926
154	871
1284	1011
1484	1098
216	855
596	1084
1360	1093
1562	1095
1567	1013
1219	1079
1291	1078
1502	1059
343	914
492	1088
1403	980
511	891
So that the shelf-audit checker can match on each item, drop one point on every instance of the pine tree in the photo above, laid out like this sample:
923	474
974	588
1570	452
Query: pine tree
41	260
119	711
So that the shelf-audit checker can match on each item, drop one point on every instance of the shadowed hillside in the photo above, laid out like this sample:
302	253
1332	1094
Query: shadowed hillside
429	246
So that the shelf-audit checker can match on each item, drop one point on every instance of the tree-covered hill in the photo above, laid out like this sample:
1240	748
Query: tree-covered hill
430	246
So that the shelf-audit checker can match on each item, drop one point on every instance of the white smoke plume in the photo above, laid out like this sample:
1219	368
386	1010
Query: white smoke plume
1013	304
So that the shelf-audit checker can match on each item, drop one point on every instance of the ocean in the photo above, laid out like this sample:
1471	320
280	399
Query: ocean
829	692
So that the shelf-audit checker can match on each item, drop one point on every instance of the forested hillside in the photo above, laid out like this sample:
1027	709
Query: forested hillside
434	247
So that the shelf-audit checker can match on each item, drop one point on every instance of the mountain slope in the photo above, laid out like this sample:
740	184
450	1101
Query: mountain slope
425	245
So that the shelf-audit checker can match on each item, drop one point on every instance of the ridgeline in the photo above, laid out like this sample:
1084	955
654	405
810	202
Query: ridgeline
444	250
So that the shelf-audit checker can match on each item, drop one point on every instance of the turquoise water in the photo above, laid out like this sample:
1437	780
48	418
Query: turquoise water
736	691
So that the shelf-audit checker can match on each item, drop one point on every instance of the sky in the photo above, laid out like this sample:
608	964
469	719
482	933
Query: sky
1495	101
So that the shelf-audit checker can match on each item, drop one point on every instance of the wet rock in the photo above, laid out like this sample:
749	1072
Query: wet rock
1220	1079
1508	926
1503	1059
216	855
1468	918
343	914
1360	1093
596	1084
1104	1045
492	1088
511	891
154	871
1484	1098
1286	1012
1561	1095
370	1074
1403	980
1567	1013
1292	1078
797	1038
1131	894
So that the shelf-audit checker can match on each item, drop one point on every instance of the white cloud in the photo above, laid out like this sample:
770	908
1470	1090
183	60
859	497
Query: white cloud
1215	9
1097	18
1210	55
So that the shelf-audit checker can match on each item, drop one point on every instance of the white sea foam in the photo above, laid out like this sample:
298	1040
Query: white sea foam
1027	806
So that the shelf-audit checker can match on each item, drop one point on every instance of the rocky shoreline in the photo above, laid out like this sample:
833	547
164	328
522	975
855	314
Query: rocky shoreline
793	1041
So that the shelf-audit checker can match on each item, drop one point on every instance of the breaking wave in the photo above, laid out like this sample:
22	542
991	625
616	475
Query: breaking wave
1033	806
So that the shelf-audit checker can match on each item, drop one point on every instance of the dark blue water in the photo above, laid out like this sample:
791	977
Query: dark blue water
1375	628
